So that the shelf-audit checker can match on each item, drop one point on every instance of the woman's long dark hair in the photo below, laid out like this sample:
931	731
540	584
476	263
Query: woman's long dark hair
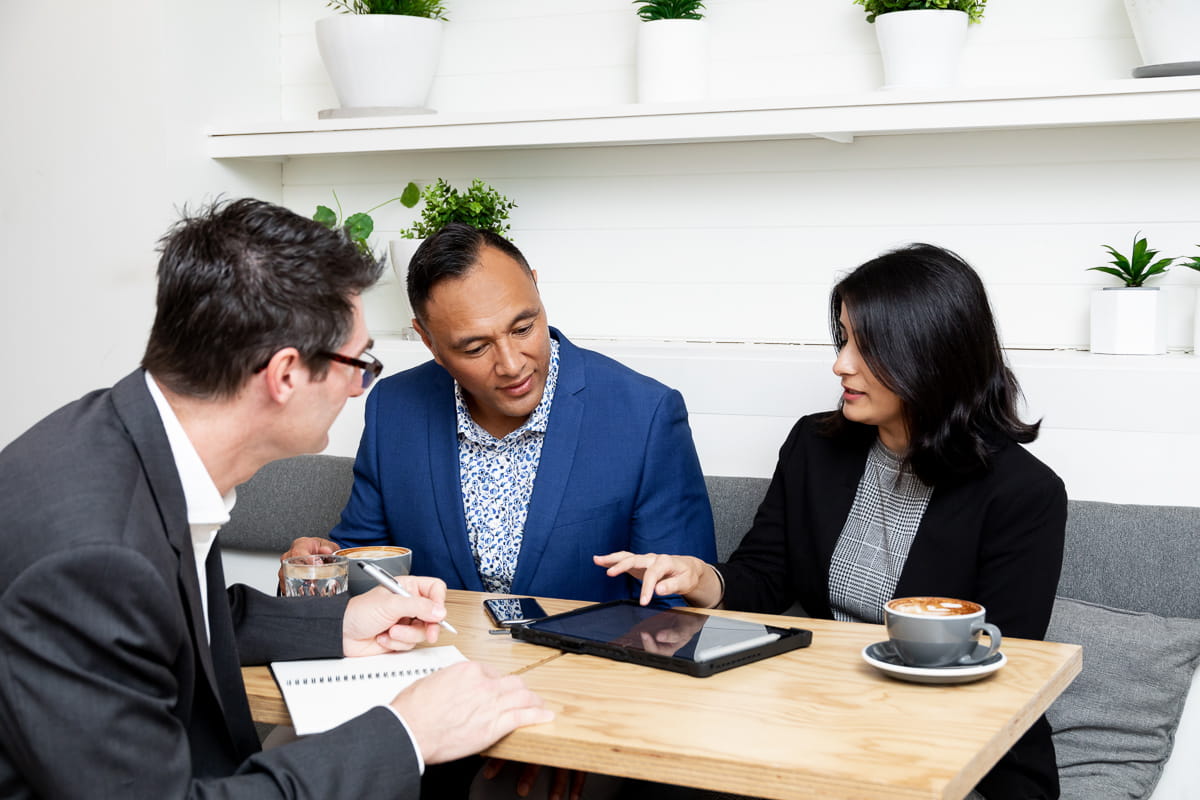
923	325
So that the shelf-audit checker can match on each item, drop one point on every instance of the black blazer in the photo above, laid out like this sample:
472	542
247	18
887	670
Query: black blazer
995	537
108	685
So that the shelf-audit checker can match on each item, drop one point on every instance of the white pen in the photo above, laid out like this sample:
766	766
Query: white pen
389	582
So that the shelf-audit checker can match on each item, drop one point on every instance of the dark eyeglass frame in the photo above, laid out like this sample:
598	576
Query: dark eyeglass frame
370	369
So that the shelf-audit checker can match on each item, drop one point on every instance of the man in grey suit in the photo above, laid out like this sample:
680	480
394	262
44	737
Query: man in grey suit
120	647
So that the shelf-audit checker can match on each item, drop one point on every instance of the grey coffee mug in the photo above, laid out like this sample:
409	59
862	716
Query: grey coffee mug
396	560
939	631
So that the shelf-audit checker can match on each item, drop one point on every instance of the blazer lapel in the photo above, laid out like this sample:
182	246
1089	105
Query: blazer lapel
446	483
554	465
138	413
226	661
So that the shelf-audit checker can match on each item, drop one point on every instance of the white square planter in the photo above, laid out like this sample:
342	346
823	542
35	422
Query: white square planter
672	60
921	48
1127	321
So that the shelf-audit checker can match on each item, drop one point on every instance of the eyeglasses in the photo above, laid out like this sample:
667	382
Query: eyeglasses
370	369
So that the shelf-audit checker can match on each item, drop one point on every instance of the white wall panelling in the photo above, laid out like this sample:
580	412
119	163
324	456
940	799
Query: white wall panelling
710	241
1109	427
658	252
105	106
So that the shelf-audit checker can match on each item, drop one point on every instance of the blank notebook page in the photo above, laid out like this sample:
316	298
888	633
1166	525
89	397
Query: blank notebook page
323	693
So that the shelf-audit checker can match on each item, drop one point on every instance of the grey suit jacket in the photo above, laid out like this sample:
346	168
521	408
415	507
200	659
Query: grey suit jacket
108	684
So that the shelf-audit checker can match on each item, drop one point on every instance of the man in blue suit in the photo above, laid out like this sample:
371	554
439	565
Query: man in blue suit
514	456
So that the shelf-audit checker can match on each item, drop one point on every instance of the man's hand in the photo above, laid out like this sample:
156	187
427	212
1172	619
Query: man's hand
306	546
380	622
465	708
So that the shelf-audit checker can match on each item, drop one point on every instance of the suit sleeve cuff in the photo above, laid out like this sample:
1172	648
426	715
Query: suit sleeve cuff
411	738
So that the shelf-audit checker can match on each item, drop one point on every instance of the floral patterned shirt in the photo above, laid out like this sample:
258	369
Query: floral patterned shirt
497	482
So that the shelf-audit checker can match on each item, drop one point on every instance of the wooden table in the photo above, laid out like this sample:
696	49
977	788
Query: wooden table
814	723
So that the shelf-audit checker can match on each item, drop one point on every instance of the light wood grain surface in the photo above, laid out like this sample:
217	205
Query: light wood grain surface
814	723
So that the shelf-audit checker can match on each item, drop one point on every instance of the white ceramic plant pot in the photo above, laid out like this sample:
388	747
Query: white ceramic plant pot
1196	326
1129	321
672	60
922	48
1166	31
380	60
400	252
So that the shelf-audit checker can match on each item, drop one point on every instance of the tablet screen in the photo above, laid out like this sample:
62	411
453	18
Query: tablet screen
663	632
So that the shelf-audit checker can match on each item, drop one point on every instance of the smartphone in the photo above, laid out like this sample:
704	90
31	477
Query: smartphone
509	611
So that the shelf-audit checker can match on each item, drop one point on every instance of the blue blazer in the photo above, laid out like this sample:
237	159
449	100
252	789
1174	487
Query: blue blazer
618	471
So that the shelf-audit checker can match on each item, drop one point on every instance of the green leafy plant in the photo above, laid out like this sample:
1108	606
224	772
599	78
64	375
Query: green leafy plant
359	227
1193	264
433	9
651	10
972	8
480	206
1138	266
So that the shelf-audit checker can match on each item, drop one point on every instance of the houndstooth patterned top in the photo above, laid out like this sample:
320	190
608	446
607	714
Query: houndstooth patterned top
874	543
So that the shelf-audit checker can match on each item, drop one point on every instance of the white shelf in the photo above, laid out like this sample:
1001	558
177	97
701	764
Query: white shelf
839	118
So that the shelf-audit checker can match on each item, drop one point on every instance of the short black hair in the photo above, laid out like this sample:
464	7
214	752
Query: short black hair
923	325
452	252
241	279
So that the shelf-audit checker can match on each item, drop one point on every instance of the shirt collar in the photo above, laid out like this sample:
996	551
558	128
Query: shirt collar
538	420
205	505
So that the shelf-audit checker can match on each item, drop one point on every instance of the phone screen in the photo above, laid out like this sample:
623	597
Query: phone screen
506	611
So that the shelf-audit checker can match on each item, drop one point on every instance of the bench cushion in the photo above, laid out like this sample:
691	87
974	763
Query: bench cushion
1140	557
1114	725
287	499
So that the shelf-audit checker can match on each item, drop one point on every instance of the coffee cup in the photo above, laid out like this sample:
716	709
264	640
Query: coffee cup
938	631
396	560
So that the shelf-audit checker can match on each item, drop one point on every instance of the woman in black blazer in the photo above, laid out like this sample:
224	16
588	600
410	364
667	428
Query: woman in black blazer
917	484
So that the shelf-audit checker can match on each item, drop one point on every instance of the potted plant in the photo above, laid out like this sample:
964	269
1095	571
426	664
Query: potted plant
480	205
381	55
1165	34
386	304
359	227
921	41
672	51
1130	319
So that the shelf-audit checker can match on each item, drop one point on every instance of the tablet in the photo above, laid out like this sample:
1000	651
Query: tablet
673	638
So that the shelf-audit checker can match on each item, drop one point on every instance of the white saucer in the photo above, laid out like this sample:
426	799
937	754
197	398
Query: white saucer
881	656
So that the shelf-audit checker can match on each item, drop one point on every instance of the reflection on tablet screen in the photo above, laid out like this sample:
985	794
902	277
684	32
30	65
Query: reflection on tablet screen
682	634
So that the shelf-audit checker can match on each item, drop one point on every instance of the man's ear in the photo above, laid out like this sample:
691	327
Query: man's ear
282	375
425	338
533	272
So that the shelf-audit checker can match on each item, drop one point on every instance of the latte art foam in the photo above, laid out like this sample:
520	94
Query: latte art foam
934	606
373	552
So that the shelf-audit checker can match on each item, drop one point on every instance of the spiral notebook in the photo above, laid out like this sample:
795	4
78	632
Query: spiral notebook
323	693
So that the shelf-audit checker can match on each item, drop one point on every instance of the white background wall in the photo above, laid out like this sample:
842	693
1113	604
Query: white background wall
708	243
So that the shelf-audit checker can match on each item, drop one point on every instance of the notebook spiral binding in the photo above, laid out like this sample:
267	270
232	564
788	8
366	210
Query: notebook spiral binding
361	676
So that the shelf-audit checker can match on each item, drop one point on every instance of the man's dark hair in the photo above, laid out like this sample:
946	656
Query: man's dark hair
452	252
923	325
242	279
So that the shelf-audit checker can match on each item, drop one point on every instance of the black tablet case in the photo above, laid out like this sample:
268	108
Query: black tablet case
536	633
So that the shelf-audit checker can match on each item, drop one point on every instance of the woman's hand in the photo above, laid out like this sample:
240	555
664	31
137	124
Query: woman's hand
664	575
